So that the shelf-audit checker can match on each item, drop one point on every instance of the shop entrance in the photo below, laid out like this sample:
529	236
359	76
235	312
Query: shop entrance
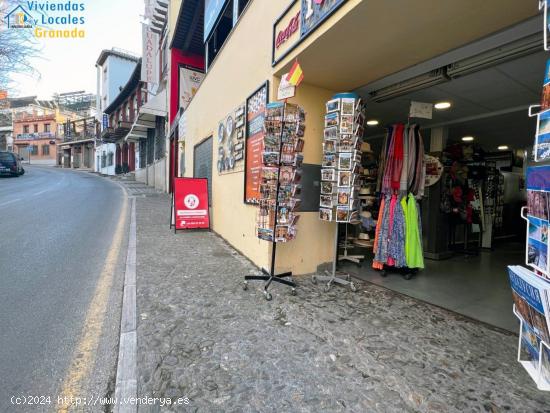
472	227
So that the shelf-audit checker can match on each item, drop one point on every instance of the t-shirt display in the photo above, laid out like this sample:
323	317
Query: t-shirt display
282	159
341	162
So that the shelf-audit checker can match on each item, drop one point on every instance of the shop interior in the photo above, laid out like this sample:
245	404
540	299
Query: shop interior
481	132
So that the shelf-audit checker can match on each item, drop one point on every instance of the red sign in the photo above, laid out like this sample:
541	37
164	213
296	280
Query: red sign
255	108
285	34
191	203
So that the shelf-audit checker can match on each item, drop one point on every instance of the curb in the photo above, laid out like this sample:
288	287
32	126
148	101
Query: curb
126	377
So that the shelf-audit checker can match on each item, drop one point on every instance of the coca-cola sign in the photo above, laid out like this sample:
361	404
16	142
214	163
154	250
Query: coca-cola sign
288	31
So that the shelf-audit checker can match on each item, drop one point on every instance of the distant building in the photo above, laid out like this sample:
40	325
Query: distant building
114	68
6	132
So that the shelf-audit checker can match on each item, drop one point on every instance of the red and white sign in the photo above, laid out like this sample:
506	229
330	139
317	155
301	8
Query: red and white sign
191	203
288	31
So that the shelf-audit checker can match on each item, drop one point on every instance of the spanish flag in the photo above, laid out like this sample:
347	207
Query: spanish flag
296	75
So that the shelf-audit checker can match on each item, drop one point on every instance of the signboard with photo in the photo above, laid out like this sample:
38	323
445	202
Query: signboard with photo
190	80
191	203
255	112
314	12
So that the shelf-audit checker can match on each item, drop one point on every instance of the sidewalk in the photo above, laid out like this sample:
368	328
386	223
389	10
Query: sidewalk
201	336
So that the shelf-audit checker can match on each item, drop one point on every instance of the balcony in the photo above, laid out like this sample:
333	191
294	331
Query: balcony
28	118
113	134
34	136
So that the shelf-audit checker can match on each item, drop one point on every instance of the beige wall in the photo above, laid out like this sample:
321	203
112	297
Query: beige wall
232	77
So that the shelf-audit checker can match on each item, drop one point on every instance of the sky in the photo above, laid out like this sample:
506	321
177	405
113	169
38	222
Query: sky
69	64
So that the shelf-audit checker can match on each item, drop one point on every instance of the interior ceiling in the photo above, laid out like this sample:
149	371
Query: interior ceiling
509	87
380	37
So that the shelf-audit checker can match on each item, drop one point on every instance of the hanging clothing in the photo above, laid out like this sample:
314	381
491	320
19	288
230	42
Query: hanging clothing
396	241
413	233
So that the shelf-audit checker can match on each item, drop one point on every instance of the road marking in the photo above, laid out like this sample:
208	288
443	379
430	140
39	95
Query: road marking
85	352
9	202
41	192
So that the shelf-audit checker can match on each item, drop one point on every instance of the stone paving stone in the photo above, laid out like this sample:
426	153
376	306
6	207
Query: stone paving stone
201	336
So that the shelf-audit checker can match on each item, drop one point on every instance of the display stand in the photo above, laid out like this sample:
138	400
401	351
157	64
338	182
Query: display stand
356	259
270	276
331	276
533	368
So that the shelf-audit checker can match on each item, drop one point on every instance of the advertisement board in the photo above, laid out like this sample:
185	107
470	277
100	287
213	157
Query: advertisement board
191	203
255	112
149	68
314	12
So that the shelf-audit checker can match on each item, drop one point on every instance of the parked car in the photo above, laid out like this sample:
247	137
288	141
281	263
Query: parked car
10	164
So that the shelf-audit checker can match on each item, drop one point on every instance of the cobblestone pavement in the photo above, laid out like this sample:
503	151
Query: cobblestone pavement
201	336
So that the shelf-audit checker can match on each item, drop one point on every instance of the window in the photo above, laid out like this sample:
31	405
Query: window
25	128
45	150
242	5
220	33
103	160
46	127
110	159
127	107
34	150
35	127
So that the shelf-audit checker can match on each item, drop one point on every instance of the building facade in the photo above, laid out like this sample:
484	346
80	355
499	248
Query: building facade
339	45
113	67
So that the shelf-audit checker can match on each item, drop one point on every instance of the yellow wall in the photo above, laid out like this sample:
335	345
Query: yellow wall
240	68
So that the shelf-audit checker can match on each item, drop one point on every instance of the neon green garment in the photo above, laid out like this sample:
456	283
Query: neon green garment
413	240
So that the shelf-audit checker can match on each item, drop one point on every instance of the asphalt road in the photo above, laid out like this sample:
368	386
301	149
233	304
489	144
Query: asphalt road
56	228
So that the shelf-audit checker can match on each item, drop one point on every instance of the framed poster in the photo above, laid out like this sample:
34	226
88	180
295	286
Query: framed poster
255	112
315	12
190	203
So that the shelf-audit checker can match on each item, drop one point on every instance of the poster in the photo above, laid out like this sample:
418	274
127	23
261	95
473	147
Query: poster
190	80
255	112
191	203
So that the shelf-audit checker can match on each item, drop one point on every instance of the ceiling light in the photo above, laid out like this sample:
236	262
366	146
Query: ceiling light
442	105
372	122
468	138
503	148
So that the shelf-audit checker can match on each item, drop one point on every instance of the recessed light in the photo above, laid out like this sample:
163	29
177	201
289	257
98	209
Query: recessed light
503	148
468	138
372	122
442	105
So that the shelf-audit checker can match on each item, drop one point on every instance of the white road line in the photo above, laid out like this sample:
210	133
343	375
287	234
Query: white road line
10	202
41	192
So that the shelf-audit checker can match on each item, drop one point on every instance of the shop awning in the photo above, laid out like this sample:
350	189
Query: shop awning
146	119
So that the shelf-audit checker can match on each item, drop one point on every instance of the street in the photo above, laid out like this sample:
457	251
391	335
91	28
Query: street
57	229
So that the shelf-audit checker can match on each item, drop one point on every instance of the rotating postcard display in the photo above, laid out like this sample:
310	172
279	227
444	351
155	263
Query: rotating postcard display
341	163
280	187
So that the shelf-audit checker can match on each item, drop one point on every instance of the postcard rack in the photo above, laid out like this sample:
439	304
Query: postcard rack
280	187
341	165
533	368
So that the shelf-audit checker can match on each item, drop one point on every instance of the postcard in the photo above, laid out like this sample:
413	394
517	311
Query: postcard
333	105
329	160
537	244
327	188
331	133
329	146
283	215
332	119
344	161
328	174
342	214
286	174
348	106
343	195
538	204
281	233
346	124
326	201
270	173
542	147
325	214
344	178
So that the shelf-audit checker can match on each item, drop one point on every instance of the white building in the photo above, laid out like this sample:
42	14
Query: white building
114	68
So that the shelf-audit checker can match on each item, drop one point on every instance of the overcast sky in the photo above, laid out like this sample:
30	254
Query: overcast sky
69	64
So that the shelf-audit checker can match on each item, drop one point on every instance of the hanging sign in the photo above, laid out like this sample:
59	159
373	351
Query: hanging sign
191	203
421	110
149	72
286	89
434	170
190	80
255	113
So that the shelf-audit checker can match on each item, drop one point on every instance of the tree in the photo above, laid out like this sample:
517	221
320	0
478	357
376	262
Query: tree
18	47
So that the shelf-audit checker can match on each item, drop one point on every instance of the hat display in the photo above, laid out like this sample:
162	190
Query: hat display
365	147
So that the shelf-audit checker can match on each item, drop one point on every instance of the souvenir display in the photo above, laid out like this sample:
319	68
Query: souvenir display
341	159
231	142
280	188
401	180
